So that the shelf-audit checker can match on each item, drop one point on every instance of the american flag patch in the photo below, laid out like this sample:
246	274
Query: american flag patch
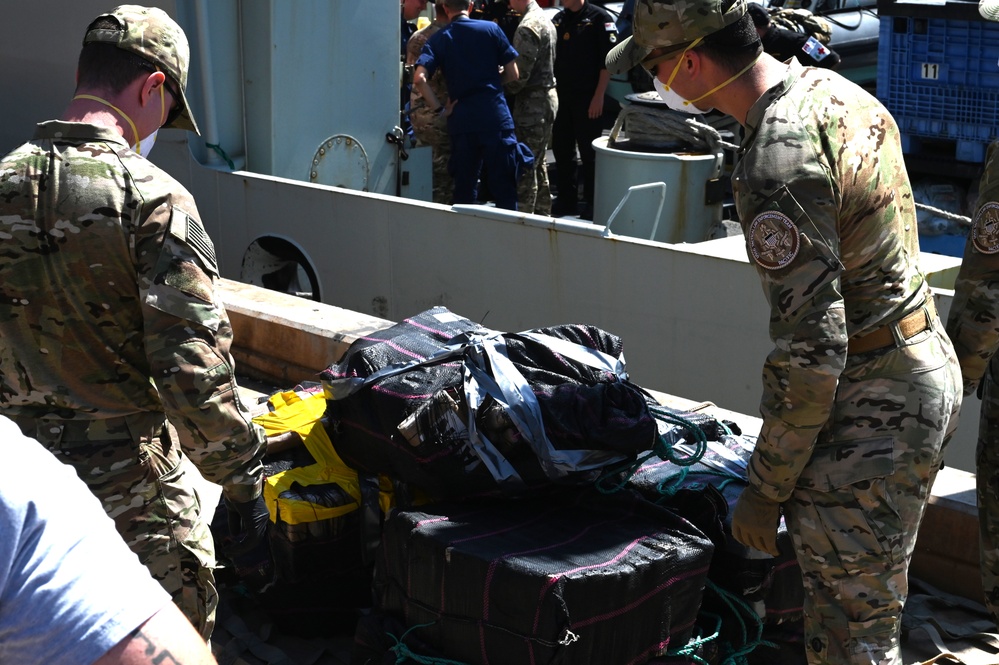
191	232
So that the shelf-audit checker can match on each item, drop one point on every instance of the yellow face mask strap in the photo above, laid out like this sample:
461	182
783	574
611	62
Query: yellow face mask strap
676	67
717	87
162	104
124	115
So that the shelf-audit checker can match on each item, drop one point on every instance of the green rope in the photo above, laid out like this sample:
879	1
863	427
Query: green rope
221	153
660	449
700	439
690	648
402	652
740	655
670	485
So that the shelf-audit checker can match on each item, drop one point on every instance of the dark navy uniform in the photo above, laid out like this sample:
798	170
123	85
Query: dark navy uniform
470	52
583	39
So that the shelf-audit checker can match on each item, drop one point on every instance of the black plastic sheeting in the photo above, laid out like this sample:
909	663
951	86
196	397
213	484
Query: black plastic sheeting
574	577
417	425
706	495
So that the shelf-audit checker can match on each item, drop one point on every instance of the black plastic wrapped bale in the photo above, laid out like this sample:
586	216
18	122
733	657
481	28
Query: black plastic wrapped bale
457	410
576	577
318	530
321	578
705	493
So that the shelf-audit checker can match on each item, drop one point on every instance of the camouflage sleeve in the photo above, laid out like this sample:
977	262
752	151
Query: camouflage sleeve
973	322
415	46
188	337
528	44
795	251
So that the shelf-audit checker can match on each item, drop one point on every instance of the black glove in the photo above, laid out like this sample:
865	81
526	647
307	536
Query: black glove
247	524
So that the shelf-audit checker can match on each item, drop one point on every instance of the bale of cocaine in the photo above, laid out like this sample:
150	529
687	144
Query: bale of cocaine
705	493
573	577
457	410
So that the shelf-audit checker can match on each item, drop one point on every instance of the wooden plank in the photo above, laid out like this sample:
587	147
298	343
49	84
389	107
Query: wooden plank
284	339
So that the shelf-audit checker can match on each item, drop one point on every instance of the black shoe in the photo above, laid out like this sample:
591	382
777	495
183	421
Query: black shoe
586	211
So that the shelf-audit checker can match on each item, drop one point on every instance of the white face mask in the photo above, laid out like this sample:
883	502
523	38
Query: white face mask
674	100
146	144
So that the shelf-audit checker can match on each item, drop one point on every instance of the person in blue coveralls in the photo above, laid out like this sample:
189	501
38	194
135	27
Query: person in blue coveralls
477	59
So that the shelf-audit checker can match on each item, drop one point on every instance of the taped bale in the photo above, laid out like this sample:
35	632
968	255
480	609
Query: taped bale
575	577
458	410
319	509
705	493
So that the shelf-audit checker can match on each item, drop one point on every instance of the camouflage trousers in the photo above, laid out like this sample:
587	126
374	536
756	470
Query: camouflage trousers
533	116
857	506
133	465
431	129
987	482
443	182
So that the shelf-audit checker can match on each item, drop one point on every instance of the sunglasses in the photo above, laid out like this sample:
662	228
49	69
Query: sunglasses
178	102
651	64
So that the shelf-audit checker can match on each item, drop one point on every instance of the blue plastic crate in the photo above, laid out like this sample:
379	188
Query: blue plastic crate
939	78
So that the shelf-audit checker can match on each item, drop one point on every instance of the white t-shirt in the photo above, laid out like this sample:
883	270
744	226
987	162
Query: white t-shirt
70	589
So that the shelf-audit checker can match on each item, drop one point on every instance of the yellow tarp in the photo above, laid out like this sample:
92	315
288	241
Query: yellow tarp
291	412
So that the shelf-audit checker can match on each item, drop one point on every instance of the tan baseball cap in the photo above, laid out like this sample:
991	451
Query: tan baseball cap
671	25
150	33
989	9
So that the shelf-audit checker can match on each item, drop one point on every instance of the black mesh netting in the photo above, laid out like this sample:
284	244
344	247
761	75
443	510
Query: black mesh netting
418	425
576	577
705	493
310	578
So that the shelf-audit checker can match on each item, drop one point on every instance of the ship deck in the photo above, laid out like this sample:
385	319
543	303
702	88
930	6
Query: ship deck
282	341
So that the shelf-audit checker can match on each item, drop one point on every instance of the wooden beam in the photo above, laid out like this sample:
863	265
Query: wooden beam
286	340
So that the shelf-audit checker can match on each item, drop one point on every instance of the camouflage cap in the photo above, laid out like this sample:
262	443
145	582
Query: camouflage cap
672	24
989	9
150	33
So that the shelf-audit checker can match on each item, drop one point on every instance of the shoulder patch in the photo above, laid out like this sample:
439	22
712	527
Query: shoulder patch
985	229
190	231
773	240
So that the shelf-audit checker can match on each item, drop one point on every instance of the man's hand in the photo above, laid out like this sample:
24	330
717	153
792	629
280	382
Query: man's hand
755	521
247	524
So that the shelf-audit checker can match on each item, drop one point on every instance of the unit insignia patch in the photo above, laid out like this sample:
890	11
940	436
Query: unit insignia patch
773	240
985	230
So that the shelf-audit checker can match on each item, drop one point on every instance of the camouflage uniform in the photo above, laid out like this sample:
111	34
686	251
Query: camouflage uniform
973	326
431	128
110	325
535	104
851	439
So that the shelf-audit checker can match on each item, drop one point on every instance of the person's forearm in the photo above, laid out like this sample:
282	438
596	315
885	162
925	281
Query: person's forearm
602	83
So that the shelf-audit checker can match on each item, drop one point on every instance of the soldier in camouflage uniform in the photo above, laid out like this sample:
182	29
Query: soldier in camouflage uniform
430	128
535	101
114	345
862	388
973	326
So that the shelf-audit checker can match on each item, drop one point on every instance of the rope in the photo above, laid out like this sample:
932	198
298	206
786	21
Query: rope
945	214
221	153
690	648
670	485
658	127
740	656
402	652
661	449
